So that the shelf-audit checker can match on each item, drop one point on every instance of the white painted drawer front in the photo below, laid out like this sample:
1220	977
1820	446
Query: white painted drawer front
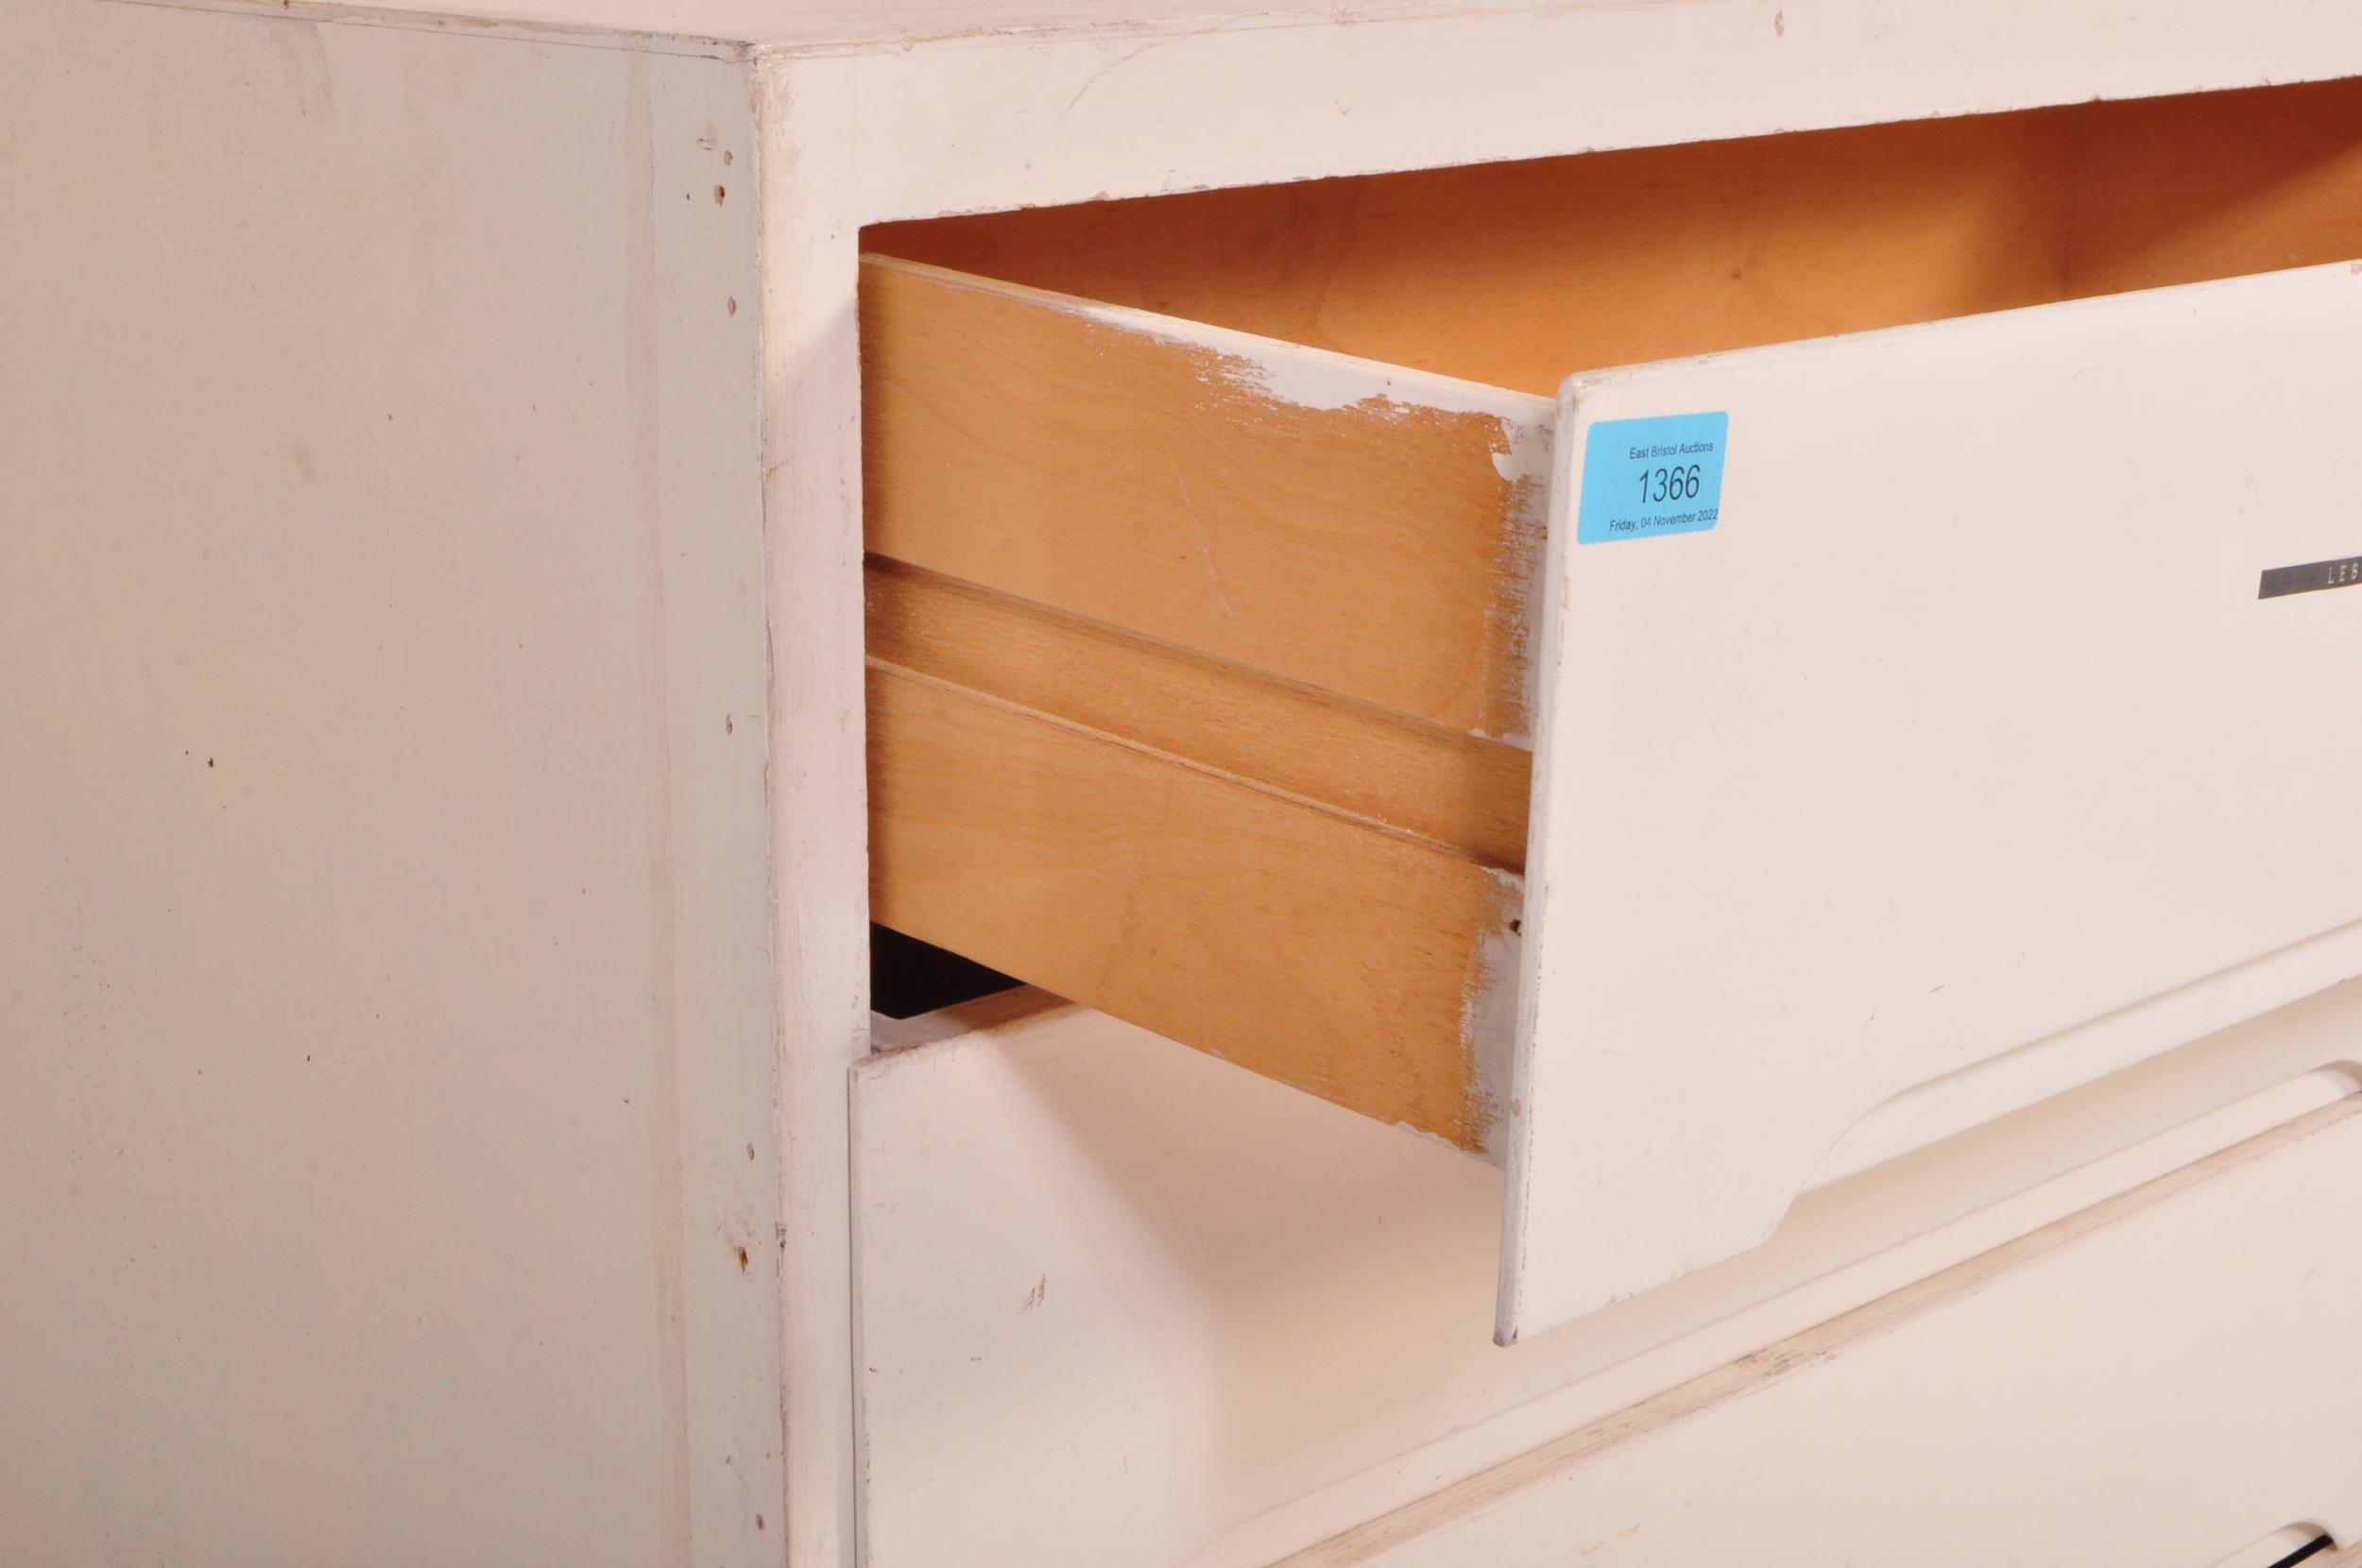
1963	732
2153	1383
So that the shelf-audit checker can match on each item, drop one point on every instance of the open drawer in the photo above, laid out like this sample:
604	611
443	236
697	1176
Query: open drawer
1727	774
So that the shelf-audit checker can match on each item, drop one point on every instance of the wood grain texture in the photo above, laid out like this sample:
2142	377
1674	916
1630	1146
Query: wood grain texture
1357	963
2179	190
1519	274
1458	791
1336	523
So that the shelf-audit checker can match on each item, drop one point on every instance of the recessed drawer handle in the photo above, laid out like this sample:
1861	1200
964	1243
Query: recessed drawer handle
2284	1548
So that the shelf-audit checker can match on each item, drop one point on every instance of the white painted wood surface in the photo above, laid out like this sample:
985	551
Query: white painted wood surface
386	1095
2163	1379
811	403
973	124
1963	727
1122	1302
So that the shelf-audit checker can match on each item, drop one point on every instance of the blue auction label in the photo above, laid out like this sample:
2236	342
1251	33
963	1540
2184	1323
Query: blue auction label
1646	477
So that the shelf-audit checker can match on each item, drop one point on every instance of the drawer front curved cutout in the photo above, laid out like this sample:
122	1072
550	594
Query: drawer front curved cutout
1971	721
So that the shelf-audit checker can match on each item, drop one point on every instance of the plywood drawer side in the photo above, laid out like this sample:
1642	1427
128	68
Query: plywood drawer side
1199	682
1359	528
1224	915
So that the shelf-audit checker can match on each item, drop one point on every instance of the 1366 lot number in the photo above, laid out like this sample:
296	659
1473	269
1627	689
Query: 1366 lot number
1673	484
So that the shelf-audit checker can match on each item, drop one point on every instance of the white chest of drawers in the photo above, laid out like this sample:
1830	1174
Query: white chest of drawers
441	1090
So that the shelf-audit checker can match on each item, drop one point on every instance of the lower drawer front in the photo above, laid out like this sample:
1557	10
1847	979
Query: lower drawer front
2167	1378
1124	1303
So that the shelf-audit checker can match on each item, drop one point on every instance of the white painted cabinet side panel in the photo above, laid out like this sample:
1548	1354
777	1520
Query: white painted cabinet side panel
1964	725
385	1012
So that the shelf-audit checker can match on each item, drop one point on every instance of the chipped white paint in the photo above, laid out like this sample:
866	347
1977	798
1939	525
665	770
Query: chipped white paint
1301	376
1519	567
1488	1016
1324	381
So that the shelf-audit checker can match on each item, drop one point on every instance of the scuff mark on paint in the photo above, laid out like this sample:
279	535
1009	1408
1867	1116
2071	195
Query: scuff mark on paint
1322	380
1488	1018
1524	460
1520	446
1205	547
1431	1137
1104	72
303	55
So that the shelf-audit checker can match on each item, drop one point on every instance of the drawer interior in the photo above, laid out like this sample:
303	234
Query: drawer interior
1519	274
1201	665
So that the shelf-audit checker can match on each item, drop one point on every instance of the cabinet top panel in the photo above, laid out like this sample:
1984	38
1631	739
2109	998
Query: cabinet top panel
1976	36
834	24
